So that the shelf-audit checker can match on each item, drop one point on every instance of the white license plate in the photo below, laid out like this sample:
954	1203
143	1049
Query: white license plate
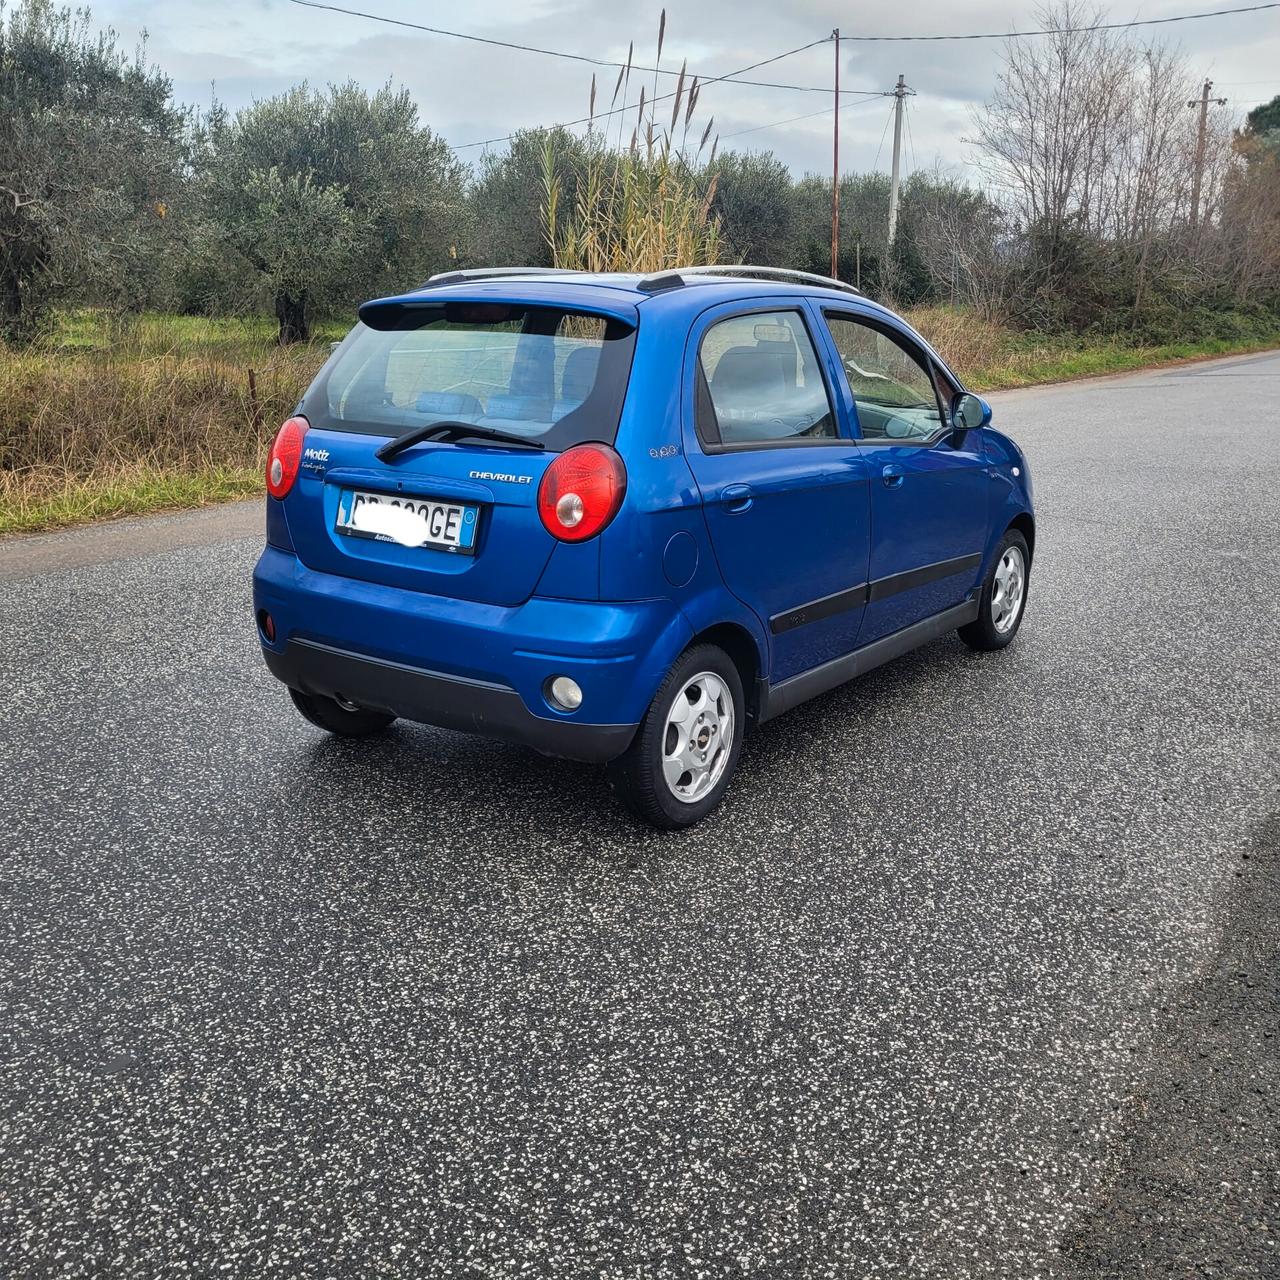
412	522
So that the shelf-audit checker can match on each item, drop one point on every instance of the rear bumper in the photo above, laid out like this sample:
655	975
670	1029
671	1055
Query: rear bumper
470	666
430	697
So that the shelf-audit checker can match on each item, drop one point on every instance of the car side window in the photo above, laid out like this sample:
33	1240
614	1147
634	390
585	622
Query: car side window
894	390
760	383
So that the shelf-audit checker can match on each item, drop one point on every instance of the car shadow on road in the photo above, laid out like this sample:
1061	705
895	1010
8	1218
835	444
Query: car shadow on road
437	786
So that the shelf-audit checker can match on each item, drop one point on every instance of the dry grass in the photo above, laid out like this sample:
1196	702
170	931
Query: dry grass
104	420
989	357
965	342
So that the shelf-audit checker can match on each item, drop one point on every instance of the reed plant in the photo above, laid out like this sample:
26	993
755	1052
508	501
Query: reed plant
643	204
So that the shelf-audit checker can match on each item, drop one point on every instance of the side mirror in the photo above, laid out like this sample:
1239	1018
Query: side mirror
969	412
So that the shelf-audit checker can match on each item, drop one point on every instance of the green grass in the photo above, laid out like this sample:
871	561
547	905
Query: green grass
108	418
1093	362
86	330
127	494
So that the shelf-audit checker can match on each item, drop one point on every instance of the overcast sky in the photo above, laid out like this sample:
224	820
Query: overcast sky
247	49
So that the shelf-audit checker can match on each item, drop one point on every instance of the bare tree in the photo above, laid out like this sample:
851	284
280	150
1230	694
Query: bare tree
962	239
1152	178
1051	132
1250	227
1088	140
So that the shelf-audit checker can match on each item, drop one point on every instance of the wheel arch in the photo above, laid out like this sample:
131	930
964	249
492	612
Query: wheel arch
1025	525
743	652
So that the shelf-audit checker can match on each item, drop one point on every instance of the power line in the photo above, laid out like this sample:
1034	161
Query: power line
551	53
884	133
1061	31
811	115
732	76
769	84
663	97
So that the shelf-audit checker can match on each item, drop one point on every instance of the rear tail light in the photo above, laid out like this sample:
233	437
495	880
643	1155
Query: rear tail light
581	492
285	455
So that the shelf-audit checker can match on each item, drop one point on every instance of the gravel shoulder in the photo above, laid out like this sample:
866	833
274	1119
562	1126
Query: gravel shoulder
1194	1180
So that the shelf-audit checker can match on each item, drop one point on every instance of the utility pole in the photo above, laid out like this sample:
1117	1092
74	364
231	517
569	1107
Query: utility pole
1197	175
835	169
899	93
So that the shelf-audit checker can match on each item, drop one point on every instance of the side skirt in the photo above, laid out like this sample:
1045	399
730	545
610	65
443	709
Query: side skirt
775	699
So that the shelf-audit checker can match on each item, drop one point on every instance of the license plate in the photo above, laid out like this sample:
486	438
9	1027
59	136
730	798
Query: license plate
412	522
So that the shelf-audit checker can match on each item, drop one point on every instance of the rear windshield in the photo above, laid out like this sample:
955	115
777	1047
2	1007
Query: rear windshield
556	376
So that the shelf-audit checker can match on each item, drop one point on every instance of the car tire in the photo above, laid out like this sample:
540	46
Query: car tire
686	749
331	716
1003	599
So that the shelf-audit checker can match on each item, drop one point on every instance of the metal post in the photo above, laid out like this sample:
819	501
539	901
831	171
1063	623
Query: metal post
899	93
835	168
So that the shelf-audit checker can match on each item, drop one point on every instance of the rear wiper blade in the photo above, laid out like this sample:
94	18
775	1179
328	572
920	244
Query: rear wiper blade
450	427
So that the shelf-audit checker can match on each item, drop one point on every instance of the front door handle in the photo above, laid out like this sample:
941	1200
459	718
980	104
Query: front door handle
892	476
736	497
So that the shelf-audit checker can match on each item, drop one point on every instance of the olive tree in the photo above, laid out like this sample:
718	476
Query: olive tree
90	164
1263	124
317	198
507	195
754	202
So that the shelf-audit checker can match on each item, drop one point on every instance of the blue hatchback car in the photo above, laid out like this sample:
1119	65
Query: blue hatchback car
622	518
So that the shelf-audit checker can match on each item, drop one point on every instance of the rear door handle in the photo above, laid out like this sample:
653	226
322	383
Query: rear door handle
892	476
736	497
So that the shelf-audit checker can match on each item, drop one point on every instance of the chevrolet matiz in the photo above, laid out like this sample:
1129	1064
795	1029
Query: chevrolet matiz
625	518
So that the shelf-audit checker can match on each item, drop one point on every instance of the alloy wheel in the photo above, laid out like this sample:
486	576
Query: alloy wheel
1009	588
698	738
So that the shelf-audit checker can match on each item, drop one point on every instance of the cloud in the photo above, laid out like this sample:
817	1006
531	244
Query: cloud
468	91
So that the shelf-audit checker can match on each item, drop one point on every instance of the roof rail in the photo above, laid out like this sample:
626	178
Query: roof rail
492	273
674	278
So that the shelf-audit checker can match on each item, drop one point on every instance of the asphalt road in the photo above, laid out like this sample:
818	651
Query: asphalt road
974	974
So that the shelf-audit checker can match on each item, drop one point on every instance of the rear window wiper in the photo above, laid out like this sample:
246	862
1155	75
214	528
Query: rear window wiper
450	427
